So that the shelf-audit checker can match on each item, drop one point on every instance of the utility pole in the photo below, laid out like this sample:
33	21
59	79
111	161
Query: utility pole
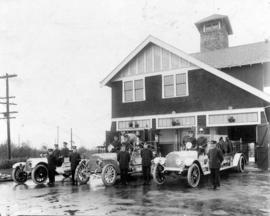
71	138
7	113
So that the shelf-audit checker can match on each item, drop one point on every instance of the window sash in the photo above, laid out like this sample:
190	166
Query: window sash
133	90
175	85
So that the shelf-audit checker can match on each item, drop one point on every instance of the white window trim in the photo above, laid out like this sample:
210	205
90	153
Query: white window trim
231	123
174	73
134	129
177	126
133	90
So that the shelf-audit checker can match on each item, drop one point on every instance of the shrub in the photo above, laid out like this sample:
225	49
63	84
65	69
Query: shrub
7	164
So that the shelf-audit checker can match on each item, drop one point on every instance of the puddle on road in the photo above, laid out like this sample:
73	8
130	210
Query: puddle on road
243	194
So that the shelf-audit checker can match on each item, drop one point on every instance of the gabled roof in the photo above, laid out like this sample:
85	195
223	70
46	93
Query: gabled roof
216	17
236	56
191	59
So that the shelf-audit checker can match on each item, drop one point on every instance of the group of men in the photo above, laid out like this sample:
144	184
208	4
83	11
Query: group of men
56	157
123	157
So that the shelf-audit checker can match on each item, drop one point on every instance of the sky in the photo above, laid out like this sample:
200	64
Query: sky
62	49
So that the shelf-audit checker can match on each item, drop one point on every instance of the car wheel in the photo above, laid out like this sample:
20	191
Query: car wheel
241	164
19	175
81	173
108	175
158	175
39	174
193	175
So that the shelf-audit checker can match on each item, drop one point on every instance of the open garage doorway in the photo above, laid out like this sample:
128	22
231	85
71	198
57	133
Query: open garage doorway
247	137
245	133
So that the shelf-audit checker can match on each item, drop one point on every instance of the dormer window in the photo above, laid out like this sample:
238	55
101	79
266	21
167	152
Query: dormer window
208	27
133	90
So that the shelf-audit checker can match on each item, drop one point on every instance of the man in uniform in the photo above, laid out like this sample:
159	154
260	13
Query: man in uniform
51	167
65	150
215	159
123	158
116	144
147	156
74	161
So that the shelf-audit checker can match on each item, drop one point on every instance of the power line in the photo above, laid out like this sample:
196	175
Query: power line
8	112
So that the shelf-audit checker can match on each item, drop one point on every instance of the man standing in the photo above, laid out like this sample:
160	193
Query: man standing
74	161
65	150
215	159
51	167
57	155
123	158
147	157
116	144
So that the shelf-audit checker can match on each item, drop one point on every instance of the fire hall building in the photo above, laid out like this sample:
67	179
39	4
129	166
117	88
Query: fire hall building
165	93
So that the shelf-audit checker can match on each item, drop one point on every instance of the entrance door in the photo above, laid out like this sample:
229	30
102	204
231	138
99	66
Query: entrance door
262	148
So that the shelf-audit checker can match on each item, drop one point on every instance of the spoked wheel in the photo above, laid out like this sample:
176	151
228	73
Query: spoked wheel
81	174
194	175
158	174
241	164
39	174
19	175
109	175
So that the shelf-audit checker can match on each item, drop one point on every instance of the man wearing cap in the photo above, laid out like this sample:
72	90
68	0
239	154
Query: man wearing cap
116	144
215	157
51	167
147	156
65	150
74	161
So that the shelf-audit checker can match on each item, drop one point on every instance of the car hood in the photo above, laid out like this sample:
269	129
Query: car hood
183	155
106	156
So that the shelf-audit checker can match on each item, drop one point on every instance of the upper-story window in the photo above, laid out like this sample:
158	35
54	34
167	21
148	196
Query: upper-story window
211	26
175	85
133	90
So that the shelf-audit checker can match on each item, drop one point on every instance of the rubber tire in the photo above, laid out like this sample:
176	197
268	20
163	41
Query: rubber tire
77	173
33	174
241	162
155	170
103	175
190	169
14	174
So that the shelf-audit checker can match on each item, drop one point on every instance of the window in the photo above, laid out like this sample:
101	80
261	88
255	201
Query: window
175	85
211	26
169	86
134	125
133	90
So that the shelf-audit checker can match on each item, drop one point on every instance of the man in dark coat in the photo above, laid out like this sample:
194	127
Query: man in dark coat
215	159
116	144
65	150
147	156
51	167
123	158
56	151
74	161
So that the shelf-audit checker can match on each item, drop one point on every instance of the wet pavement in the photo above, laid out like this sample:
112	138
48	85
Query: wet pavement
245	193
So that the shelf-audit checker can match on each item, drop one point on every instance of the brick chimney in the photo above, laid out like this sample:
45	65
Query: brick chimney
214	31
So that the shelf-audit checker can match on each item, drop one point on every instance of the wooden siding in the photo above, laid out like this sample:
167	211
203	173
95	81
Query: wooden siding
152	59
206	92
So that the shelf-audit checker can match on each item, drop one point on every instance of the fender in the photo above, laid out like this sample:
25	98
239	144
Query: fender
236	159
189	161
18	164
159	160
